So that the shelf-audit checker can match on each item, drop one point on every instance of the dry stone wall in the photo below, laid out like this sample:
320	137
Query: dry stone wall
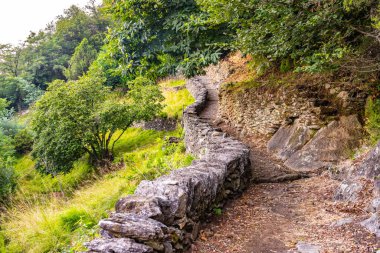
164	215
310	127
264	109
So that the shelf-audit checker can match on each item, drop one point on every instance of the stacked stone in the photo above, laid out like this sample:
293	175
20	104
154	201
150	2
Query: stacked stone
164	215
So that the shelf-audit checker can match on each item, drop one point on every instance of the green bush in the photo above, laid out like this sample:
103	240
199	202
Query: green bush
372	114
312	34
23	141
7	182
7	175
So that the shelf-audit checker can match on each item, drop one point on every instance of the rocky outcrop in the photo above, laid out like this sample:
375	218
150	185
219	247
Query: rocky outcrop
330	145
289	139
261	108
361	186
164	215
309	124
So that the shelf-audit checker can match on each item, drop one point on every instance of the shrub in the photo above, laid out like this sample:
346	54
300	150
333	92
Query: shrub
312	34
23	141
372	114
7	175
7	181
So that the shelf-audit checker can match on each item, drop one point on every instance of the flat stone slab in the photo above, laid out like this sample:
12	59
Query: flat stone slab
117	245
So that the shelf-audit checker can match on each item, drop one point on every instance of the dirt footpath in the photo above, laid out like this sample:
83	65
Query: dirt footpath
282	211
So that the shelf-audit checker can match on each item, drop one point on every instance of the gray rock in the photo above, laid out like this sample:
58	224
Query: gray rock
140	205
329	146
342	222
369	167
374	206
117	245
288	140
134	227
168	189
303	247
372	224
348	191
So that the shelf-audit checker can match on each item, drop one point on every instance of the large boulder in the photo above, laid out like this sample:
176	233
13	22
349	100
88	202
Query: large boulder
288	140
329	146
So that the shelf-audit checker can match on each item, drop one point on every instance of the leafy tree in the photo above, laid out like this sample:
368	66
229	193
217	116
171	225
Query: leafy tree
8	126
10	59
81	60
311	35
45	55
18	92
82	116
155	38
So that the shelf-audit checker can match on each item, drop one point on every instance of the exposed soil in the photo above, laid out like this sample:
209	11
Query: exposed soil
282	209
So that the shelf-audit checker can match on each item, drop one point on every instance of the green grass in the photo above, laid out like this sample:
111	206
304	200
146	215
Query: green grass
42	219
175	101
65	223
35	186
172	83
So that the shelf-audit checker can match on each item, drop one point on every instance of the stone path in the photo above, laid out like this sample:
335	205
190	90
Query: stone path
281	211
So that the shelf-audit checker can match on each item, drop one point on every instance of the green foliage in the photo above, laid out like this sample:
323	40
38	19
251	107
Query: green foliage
45	55
8	125
82	58
83	116
312	34
373	119
7	175
36	187
64	224
3	107
18	92
156	38
175	101
10	60
218	211
23	141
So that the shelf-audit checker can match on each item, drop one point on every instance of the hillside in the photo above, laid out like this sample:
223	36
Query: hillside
55	214
193	126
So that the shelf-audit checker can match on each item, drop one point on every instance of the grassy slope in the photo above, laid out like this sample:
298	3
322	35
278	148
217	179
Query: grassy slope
44	220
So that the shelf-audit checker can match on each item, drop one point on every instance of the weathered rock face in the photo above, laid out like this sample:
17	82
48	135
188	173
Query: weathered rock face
164	215
289	139
262	110
311	127
361	185
372	224
117	245
329	146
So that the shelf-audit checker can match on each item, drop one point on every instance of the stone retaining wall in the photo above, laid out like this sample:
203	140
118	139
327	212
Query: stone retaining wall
262	110
164	215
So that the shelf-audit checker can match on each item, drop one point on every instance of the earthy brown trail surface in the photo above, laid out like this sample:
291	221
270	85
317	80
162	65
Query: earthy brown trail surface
275	217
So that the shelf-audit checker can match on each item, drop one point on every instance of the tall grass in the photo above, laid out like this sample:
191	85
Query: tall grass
63	224
175	101
58	214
